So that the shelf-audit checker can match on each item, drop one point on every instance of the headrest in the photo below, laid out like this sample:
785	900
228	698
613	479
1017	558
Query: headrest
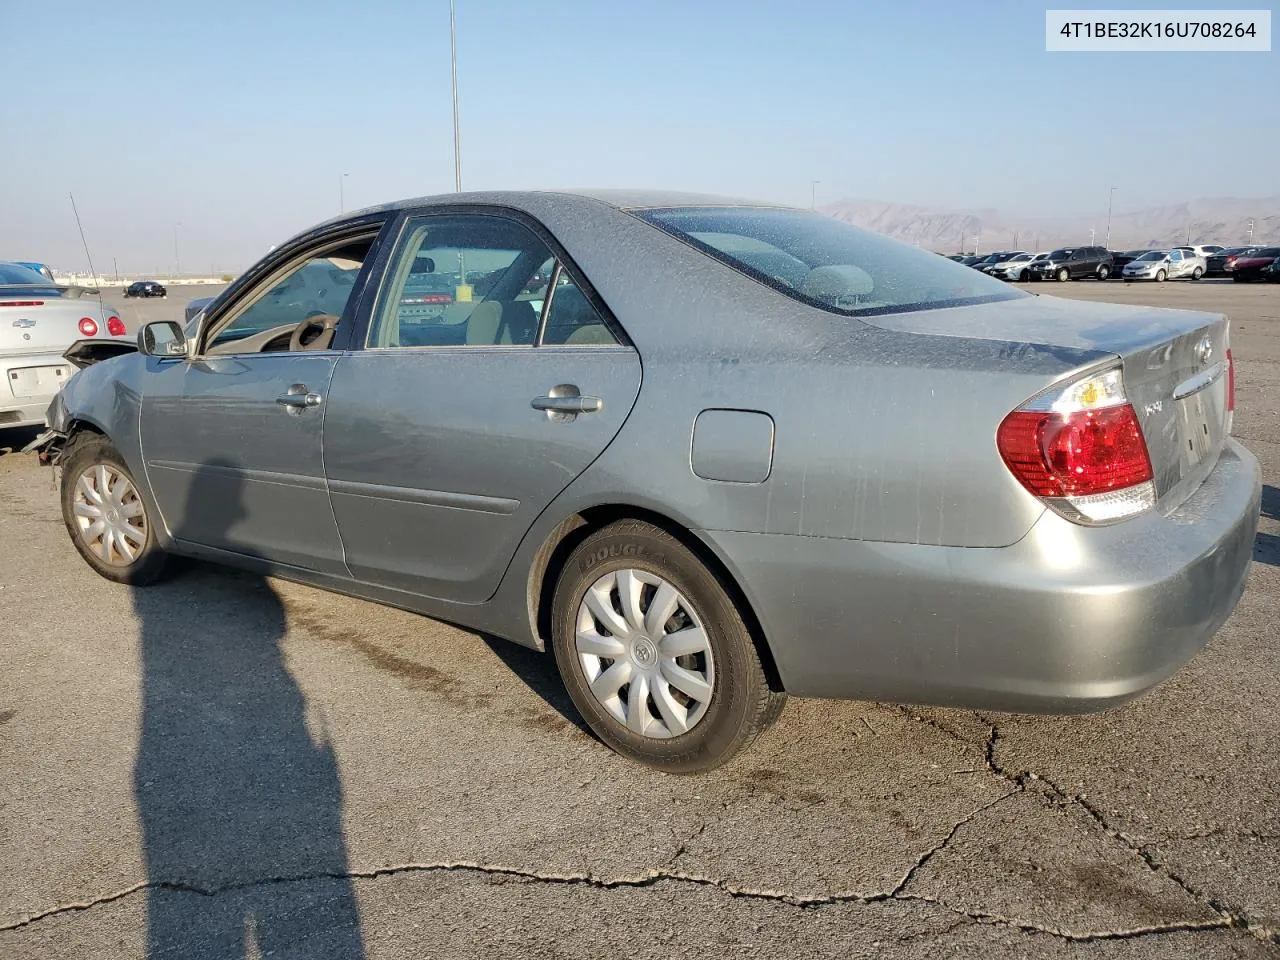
837	281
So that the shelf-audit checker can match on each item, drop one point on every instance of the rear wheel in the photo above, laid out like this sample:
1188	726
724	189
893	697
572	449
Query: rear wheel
1063	275
1197	273
654	652
106	516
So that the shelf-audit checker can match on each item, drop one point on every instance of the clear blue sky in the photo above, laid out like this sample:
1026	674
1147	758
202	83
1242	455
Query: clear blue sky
236	119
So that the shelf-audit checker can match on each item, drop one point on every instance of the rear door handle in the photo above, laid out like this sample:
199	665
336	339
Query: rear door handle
564	402
568	404
298	398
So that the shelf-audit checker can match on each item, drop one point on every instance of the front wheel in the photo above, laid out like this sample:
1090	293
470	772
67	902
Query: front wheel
654	652
1063	275
106	516
1103	272
1160	276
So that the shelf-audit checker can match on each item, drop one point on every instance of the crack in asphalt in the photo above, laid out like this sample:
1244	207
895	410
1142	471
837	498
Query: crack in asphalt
1227	917
652	878
1230	916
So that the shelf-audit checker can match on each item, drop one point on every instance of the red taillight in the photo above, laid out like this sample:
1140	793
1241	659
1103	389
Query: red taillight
1231	383
21	303
88	326
115	326
1076	454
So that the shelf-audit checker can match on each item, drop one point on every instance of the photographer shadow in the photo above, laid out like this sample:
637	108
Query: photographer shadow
238	790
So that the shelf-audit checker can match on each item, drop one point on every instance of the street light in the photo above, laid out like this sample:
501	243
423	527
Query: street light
453	65
342	200
813	194
1110	196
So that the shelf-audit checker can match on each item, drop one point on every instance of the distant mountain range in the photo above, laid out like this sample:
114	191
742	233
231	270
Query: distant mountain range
1222	220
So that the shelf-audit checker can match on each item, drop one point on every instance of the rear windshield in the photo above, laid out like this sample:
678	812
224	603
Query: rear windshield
16	273
828	263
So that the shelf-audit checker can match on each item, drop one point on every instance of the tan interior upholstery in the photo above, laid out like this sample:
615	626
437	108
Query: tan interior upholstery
594	334
483	324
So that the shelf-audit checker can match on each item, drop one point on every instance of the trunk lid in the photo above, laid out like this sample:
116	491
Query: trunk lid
45	320
1174	364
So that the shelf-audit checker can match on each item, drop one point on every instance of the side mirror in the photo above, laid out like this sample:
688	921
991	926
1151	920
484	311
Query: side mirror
163	338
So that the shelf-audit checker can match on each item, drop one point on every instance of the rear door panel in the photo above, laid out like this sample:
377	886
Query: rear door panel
438	463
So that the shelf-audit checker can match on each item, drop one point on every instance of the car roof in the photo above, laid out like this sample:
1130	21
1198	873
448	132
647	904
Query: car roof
621	199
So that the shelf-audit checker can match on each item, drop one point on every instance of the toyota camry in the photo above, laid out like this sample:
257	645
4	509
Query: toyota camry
708	453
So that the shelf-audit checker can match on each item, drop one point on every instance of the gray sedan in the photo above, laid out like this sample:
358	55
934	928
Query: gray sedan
709	452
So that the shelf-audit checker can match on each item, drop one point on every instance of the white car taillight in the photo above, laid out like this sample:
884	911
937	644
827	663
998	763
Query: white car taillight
1080	449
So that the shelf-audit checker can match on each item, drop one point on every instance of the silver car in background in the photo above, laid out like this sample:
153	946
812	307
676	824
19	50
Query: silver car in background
1161	265
710	452
39	320
1013	268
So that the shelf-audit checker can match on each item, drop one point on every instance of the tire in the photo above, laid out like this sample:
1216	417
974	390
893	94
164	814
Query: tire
1238	279
1197	273
1103	272
632	555
1063	275
1160	276
95	454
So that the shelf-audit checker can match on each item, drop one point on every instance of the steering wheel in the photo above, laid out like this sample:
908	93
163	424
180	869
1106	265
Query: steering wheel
313	333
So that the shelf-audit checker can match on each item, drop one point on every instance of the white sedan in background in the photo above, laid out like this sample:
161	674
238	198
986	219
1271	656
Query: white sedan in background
1161	265
1012	269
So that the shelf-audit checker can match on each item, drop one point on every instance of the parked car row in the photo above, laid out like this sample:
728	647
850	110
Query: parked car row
1244	264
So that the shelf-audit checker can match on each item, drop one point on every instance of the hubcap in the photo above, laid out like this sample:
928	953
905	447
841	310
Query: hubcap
645	653
109	515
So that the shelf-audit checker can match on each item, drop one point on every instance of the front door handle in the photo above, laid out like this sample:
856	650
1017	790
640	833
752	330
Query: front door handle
298	398
564	402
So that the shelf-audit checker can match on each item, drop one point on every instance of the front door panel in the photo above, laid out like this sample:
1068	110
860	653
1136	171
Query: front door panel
438	463
234	469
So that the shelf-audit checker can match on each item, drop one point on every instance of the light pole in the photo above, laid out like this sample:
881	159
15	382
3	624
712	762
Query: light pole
453	65
1093	235
1110	196
342	199
813	194
1251	231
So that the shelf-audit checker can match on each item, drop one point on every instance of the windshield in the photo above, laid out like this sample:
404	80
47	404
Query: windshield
1059	254
1153	255
828	263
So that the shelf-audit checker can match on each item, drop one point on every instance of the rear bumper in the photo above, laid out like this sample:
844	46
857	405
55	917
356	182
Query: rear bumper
1070	619
28	410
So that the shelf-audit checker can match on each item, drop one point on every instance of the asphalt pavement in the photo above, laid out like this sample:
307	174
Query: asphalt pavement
225	766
